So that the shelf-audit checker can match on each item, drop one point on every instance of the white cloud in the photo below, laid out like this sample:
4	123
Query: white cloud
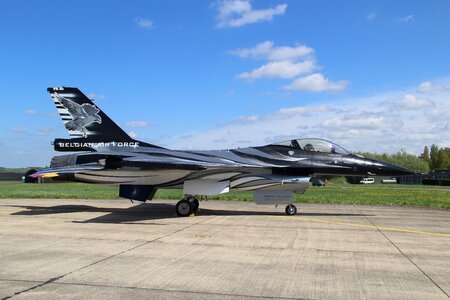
439	114
137	124
267	51
94	96
288	63
412	102
300	110
283	113
144	23
19	129
280	69
132	134
372	123
429	87
236	13
371	16
316	83
246	119
47	131
220	141
355	134
425	86
31	111
405	19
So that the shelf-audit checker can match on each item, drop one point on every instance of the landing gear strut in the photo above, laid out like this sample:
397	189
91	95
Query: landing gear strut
195	204
291	210
188	205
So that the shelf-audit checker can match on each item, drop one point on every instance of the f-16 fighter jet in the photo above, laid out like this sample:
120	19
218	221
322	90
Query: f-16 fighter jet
104	153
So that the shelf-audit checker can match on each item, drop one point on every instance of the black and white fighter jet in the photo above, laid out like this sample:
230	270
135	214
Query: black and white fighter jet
104	153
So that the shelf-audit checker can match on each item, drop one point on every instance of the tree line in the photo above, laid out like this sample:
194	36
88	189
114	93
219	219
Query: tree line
436	158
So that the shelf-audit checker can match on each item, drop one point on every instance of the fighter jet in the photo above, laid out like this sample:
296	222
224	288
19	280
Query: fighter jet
104	153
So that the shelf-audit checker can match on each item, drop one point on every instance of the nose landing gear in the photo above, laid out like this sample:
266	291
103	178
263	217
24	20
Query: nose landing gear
188	205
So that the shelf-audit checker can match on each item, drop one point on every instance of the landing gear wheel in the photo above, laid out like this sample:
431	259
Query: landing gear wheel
184	208
291	210
195	204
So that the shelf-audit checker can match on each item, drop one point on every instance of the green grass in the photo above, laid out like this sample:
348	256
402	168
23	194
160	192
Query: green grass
379	195
375	194
19	170
58	190
338	181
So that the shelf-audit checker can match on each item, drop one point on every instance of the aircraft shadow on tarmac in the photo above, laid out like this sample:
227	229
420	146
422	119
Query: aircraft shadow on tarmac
148	211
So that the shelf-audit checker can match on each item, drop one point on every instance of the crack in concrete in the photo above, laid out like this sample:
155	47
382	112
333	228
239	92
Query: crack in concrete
52	280
34	287
408	258
157	290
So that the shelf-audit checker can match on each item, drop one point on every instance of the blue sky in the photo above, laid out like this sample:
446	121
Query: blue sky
369	75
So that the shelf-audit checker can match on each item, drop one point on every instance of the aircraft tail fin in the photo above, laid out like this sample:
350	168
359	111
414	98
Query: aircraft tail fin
83	119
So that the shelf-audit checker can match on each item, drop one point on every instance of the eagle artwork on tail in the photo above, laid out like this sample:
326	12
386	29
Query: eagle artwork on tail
82	115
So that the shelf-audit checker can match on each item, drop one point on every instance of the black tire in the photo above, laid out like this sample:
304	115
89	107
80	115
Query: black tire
195	205
184	208
291	210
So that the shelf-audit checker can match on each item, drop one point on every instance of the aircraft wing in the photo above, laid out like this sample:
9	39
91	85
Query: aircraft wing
177	163
149	163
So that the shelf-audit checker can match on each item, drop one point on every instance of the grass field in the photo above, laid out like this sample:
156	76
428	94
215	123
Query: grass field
336	193
17	170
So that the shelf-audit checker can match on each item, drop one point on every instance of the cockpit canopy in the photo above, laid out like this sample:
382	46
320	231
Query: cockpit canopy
314	145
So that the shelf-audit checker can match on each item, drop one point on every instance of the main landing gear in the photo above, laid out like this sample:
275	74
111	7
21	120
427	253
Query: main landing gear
291	210
188	205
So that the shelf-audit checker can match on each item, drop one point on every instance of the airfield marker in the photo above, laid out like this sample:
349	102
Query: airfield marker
365	226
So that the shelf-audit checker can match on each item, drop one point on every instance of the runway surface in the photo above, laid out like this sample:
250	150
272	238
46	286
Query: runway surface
57	248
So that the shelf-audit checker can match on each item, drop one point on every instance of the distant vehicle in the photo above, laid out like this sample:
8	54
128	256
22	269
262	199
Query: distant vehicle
105	153
367	180
318	182
389	180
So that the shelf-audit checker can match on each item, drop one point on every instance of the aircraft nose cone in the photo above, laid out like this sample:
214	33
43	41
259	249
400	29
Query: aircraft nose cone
392	170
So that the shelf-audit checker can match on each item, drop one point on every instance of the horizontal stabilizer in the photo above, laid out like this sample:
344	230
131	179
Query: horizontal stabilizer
54	172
